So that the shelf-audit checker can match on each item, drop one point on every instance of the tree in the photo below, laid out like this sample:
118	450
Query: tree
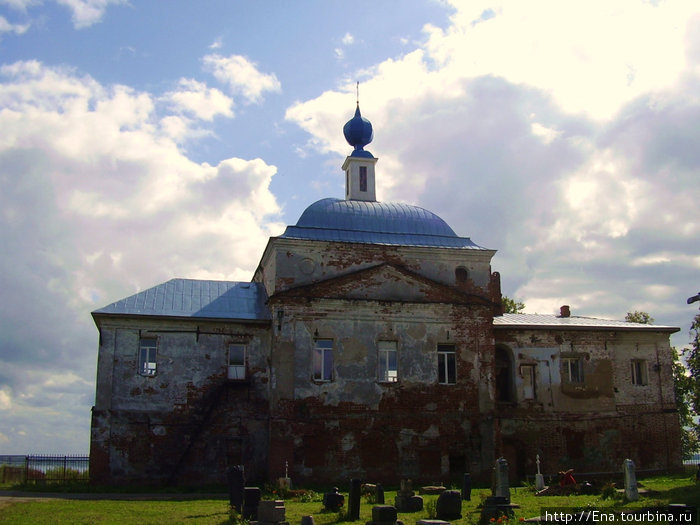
682	387
688	390
639	317
511	306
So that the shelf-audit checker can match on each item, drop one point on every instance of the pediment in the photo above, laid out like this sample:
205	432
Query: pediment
384	282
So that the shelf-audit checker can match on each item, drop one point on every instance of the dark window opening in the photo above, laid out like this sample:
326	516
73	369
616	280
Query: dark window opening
461	275
236	361
504	376
363	178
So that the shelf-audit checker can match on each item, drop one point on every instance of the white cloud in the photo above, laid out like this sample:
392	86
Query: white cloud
7	27
348	39
20	5
591	57
97	201
241	76
88	12
199	100
5	399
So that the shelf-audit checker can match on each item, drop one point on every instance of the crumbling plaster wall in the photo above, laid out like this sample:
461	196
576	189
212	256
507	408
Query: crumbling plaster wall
597	424
289	263
359	425
184	423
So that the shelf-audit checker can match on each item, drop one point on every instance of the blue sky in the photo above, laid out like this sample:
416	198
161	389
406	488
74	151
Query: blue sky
142	141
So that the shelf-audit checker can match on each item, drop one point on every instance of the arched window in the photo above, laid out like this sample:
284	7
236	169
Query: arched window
504	376
461	275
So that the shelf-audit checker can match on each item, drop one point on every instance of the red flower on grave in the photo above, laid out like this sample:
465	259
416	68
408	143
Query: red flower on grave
492	520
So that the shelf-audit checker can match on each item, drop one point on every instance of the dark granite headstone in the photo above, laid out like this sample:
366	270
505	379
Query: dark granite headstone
251	500
467	487
449	506
379	494
354	499
236	483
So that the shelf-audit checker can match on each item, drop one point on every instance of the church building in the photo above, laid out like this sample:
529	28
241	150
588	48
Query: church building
370	342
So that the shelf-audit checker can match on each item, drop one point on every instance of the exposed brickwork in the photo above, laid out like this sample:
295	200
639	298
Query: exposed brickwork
188	423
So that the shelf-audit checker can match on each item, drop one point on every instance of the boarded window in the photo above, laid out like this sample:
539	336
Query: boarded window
323	360
388	370
529	387
236	361
147	357
447	365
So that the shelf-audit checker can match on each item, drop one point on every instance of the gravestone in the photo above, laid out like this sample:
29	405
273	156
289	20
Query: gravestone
539	478
307	520
333	500
236	484
251	500
498	504
467	487
631	492
449	506
383	515
354	499
272	513
406	500
285	483
379	494
501	486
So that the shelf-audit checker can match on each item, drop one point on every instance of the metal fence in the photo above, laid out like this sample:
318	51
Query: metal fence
44	469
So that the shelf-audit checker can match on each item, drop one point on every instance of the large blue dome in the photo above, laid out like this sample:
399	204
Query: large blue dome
375	223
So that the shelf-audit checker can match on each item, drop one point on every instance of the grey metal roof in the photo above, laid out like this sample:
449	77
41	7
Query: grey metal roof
573	322
196	298
374	222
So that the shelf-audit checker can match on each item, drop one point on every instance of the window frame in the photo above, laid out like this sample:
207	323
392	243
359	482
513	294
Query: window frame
445	352
148	363
385	350
321	369
640	372
240	369
568	374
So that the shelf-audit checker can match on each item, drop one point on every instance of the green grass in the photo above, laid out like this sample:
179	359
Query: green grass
667	489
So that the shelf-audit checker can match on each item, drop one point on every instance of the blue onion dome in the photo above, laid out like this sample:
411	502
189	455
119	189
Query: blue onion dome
358	132
375	223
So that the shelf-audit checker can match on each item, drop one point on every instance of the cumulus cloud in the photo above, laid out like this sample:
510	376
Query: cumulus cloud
98	201
241	76
7	27
575	157
88	12
199	100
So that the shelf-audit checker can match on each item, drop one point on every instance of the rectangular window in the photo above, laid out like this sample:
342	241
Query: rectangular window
639	372
236	361
572	369
323	360
447	365
147	357
363	178
528	374
388	371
